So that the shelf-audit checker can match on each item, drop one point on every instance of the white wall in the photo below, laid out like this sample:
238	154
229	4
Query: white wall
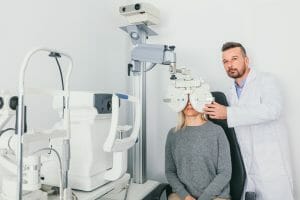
269	30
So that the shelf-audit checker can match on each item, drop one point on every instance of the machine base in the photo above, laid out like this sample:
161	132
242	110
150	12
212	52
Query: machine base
115	187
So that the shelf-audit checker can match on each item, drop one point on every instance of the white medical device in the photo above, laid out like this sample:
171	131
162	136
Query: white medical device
116	142
140	13
98	143
63	132
92	156
186	88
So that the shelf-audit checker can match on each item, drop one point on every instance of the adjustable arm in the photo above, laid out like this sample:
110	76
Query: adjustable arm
155	54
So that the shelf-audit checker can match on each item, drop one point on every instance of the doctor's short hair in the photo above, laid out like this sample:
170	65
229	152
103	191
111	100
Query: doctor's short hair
230	45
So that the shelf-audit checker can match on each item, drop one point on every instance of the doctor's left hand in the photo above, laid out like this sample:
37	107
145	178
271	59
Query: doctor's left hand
215	111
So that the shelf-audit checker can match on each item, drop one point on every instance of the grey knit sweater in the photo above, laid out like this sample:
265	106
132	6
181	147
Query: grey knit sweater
197	162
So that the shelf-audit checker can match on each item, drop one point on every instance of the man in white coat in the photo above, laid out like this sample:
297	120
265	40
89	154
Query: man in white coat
255	112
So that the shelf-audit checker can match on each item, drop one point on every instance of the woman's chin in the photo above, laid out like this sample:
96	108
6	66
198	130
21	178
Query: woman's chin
191	114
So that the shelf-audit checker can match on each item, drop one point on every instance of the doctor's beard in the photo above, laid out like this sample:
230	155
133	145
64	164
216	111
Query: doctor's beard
235	73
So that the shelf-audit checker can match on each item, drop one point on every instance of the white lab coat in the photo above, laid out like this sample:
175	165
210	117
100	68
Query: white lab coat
256	117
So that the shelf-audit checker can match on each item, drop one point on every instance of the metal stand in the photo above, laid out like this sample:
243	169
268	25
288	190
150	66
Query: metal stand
20	121
139	34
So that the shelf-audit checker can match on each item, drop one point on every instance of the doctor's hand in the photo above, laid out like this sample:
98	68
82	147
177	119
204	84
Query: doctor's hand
215	111
189	197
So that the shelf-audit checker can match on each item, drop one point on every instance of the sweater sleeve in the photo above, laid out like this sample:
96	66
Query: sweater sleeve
224	168
170	168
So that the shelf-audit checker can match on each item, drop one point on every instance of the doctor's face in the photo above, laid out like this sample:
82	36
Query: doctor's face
235	62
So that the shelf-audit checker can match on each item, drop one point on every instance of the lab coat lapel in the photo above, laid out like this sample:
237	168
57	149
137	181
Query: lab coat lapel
251	77
233	96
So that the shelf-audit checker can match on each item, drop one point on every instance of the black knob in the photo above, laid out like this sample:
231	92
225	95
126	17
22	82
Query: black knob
1	103
13	102
172	47
173	77
109	106
137	6
54	54
123	9
129	67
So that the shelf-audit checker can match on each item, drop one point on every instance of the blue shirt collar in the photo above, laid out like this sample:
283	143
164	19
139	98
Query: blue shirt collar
241	85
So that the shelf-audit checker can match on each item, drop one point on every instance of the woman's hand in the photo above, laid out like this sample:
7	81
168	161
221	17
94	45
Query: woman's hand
189	197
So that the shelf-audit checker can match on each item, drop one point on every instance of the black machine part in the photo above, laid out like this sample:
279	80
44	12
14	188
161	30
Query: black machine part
13	102
103	103
1	102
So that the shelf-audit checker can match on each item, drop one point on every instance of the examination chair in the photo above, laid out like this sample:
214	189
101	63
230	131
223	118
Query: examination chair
238	178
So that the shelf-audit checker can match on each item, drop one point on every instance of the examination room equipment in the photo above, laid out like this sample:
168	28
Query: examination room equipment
21	153
88	114
185	88
144	57
48	159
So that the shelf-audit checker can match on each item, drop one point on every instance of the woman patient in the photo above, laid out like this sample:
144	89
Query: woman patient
197	159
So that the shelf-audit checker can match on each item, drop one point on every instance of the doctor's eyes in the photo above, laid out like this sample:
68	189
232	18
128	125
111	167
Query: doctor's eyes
227	61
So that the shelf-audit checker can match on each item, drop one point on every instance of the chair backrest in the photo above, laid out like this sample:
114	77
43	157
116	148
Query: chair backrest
238	169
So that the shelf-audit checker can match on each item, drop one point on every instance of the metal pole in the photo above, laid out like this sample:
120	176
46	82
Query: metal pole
139	150
20	131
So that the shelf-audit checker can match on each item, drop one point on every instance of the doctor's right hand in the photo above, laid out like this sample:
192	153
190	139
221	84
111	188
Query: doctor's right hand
215	111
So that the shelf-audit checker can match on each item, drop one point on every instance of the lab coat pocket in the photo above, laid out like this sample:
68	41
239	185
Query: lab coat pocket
268	160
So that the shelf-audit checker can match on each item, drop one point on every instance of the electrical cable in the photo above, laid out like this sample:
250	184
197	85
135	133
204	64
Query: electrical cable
8	129
62	84
57	55
61	76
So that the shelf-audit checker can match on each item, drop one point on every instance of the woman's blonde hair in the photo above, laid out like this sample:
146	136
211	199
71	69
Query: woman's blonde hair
181	120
